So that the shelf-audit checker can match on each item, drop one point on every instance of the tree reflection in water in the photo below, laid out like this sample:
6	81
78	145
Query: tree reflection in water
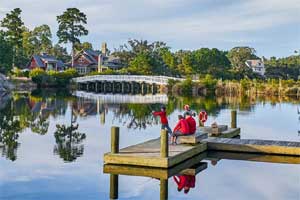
9	129
68	142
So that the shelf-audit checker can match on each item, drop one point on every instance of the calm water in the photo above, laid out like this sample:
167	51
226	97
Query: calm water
38	161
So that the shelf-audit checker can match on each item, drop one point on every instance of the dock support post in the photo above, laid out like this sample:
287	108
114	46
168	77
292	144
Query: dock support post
114	186
115	139
233	119
163	189
164	145
96	87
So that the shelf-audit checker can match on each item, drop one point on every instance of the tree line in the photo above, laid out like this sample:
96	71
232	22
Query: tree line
18	43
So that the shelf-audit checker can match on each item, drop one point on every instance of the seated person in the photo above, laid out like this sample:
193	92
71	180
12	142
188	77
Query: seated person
181	128
185	182
191	122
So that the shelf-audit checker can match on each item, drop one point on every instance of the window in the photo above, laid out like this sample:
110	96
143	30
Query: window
81	60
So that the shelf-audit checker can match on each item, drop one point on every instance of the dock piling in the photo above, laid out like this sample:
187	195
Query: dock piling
233	119
163	189
114	186
115	139
164	144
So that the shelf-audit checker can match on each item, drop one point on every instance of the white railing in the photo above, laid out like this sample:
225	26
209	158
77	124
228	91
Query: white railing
160	80
123	98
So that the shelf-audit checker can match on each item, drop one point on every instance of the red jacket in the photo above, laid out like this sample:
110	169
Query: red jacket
185	181
182	126
163	116
192	124
180	180
190	181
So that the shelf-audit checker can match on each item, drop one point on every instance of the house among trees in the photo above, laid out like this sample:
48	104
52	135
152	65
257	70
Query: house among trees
257	66
45	62
86	61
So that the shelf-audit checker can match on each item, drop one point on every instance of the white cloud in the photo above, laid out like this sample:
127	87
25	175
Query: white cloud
184	24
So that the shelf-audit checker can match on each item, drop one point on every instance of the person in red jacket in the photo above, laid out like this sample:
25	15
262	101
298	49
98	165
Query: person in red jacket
185	182
163	119
181	128
191	122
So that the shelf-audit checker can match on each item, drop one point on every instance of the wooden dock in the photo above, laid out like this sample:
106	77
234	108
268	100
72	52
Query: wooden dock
252	157
191	166
254	146
149	154
158	153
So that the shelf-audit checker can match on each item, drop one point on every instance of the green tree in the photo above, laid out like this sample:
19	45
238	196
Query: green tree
83	46
6	54
41	39
238	57
12	23
71	27
60	53
27	44
141	64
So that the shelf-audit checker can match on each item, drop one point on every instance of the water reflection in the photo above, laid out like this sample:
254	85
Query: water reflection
68	142
33	111
184	174
57	179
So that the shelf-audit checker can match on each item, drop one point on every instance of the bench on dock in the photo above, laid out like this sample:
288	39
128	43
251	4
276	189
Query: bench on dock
192	139
221	131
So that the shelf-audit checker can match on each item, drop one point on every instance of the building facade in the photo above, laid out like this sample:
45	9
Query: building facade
257	66
87	61
45	62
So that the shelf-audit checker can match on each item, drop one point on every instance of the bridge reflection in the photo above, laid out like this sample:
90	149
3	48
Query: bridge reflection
123	98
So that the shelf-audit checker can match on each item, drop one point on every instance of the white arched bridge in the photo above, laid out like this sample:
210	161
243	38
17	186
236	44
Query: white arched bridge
126	84
159	80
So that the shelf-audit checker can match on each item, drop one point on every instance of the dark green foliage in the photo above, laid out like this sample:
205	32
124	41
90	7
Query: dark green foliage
6	54
13	25
68	142
9	128
238	57
71	26
52	78
284	68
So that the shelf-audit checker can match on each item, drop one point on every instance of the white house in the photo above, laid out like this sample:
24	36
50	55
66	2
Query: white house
257	66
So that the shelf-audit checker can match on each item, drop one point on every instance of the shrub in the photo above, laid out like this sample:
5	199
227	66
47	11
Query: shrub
52	78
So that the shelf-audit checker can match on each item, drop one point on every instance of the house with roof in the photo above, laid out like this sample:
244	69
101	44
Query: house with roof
257	66
87	60
45	62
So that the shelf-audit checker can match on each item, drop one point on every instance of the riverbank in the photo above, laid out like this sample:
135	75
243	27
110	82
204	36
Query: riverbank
210	86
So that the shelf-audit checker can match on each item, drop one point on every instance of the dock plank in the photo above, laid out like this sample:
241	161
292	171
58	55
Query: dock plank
190	166
148	154
254	146
213	155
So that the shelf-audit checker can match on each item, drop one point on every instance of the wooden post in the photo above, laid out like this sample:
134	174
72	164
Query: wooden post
96	87
114	139
114	186
233	119
163	189
164	145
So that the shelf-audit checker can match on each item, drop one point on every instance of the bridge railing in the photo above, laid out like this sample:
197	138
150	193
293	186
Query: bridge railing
161	80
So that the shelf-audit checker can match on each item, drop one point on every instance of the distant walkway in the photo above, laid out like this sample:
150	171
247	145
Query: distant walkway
123	98
159	80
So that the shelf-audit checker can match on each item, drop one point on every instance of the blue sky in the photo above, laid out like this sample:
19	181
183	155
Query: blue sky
272	27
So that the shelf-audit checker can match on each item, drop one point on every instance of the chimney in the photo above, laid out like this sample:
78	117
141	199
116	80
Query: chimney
104	49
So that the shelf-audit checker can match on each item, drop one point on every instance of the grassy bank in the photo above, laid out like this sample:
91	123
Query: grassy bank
208	85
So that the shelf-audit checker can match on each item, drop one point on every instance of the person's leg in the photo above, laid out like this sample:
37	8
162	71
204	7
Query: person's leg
169	129
176	134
